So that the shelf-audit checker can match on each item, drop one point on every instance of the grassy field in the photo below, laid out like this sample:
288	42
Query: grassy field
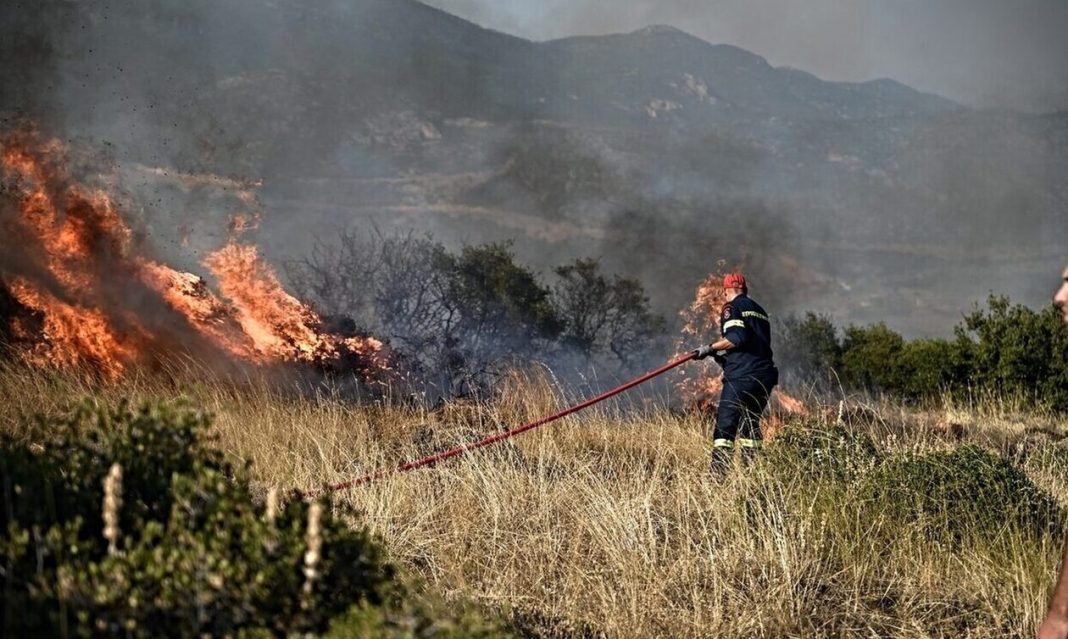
608	524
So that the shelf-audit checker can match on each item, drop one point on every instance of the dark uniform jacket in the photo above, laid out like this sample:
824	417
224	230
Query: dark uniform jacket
746	325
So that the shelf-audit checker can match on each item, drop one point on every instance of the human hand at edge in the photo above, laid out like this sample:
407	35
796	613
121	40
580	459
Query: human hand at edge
1054	626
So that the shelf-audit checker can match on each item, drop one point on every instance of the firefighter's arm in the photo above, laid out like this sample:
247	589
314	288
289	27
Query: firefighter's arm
723	344
1055	626
732	329
735	335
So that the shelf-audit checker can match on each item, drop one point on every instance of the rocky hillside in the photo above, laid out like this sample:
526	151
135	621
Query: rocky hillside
654	150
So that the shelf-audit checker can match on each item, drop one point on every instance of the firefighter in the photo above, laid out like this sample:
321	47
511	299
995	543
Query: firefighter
1055	625
749	373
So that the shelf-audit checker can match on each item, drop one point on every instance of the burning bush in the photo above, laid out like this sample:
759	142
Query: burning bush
88	295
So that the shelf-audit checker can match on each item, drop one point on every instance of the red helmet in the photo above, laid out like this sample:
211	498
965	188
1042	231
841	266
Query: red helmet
734	280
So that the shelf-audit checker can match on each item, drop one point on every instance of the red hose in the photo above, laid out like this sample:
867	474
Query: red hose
492	439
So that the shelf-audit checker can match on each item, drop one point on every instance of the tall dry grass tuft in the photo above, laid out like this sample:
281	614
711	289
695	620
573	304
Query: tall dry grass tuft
607	523
112	506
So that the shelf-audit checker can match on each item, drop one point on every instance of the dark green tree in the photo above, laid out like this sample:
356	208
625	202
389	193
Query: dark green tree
601	313
1016	350
808	348
501	305
871	358
930	367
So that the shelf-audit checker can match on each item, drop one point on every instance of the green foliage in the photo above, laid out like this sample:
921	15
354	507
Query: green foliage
498	299
808	347
968	492
928	367
1003	349
871	357
1018	351
196	554
601	313
949	497
821	452
454	318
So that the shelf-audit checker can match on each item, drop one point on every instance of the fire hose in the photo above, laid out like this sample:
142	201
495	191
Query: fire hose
503	435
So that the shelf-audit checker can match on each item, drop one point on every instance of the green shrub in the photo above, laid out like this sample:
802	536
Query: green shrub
821	452
195	553
928	367
808	348
871	358
1016	350
1003	349
968	492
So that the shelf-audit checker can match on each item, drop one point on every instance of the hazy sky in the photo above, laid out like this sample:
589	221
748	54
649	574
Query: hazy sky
994	53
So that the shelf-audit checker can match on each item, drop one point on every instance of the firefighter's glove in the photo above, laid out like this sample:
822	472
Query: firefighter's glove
720	357
703	352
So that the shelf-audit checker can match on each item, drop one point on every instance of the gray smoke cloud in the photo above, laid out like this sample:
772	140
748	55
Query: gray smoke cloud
344	113
985	53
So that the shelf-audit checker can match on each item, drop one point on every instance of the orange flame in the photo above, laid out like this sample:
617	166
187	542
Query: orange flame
701	325
278	324
74	336
701	386
105	306
790	405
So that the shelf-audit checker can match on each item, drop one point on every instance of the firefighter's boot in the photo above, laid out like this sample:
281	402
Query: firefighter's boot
722	457
750	450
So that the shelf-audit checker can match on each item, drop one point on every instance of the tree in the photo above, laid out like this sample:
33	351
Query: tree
808	347
871	357
601	314
501	306
1016	350
454	317
932	366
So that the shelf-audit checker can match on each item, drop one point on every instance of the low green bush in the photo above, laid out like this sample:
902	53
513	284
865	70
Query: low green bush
821	452
192	553
965	493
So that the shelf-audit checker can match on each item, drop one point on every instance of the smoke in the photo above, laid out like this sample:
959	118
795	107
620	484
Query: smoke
332	114
987	53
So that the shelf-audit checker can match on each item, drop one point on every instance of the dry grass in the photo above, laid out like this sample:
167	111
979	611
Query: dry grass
607	523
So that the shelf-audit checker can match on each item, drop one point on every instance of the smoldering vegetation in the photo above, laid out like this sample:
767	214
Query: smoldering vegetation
463	321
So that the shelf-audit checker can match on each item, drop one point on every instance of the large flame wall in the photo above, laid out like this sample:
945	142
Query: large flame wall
92	299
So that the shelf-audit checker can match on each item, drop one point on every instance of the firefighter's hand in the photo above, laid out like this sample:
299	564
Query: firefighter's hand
1055	626
720	357
703	352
